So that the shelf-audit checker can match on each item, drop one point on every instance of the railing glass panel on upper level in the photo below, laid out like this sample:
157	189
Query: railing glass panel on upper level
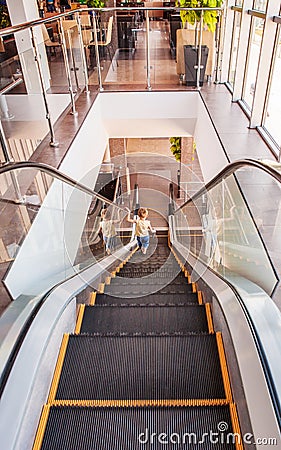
47	63
51	229
236	233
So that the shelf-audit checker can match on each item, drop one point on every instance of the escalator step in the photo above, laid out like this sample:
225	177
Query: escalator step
141	319
153	299
142	272
85	428
149	280
141	367
146	289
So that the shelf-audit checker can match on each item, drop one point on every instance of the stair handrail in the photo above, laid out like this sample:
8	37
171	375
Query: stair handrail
230	169
52	171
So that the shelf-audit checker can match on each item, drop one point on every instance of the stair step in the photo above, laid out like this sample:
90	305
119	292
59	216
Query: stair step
152	299
151	274
141	319
140	368
149	280
146	289
85	428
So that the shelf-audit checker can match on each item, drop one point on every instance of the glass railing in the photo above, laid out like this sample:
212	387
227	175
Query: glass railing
236	233
48	62
53	227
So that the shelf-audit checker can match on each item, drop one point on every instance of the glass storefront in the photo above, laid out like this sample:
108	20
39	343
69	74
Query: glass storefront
234	47
273	109
254	48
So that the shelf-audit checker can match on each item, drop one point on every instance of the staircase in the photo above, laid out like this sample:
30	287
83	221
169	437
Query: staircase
144	369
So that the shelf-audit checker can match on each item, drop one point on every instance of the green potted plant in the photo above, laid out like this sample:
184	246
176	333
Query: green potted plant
93	3
4	16
194	17
175	148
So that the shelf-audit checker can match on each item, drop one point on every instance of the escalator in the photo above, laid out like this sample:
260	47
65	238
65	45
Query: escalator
144	367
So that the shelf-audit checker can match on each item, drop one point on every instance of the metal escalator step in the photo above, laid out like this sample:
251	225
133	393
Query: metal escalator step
86	428
138	273
141	319
152	299
147	280
146	289
137	367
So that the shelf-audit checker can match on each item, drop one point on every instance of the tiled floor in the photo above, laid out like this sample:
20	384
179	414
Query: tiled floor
229	120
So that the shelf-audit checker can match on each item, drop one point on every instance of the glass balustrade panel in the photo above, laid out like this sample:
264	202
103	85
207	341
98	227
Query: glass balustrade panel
51	231
229	240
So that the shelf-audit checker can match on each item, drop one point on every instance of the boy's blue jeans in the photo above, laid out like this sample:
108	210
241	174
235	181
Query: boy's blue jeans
143	241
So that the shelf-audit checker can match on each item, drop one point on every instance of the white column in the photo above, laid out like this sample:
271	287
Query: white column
242	50
265	61
227	38
21	11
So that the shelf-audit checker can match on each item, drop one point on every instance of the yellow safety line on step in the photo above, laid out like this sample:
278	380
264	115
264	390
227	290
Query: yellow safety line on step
141	403
209	317
200	297
236	427
224	369
93	298
79	319
101	288
113	274
58	369
41	428
107	281
194	287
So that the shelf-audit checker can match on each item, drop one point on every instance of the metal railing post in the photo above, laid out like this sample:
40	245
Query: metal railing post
74	68
67	68
5	148
219	50
82	51
199	67
97	51
53	142
148	80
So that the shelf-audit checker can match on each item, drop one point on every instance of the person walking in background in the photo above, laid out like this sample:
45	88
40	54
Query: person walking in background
108	230
143	227
50	4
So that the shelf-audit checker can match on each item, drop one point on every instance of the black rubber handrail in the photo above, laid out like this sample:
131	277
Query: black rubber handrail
230	169
56	174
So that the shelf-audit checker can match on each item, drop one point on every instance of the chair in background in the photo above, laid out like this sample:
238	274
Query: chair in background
106	44
51	46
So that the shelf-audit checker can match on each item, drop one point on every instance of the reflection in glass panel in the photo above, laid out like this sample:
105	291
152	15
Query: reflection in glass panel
238	2
229	243
260	5
273	112
256	33
234	46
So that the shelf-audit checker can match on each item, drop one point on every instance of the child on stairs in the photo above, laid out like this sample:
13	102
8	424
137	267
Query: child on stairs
143	227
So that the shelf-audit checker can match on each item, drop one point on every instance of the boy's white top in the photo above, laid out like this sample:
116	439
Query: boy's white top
142	227
108	228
